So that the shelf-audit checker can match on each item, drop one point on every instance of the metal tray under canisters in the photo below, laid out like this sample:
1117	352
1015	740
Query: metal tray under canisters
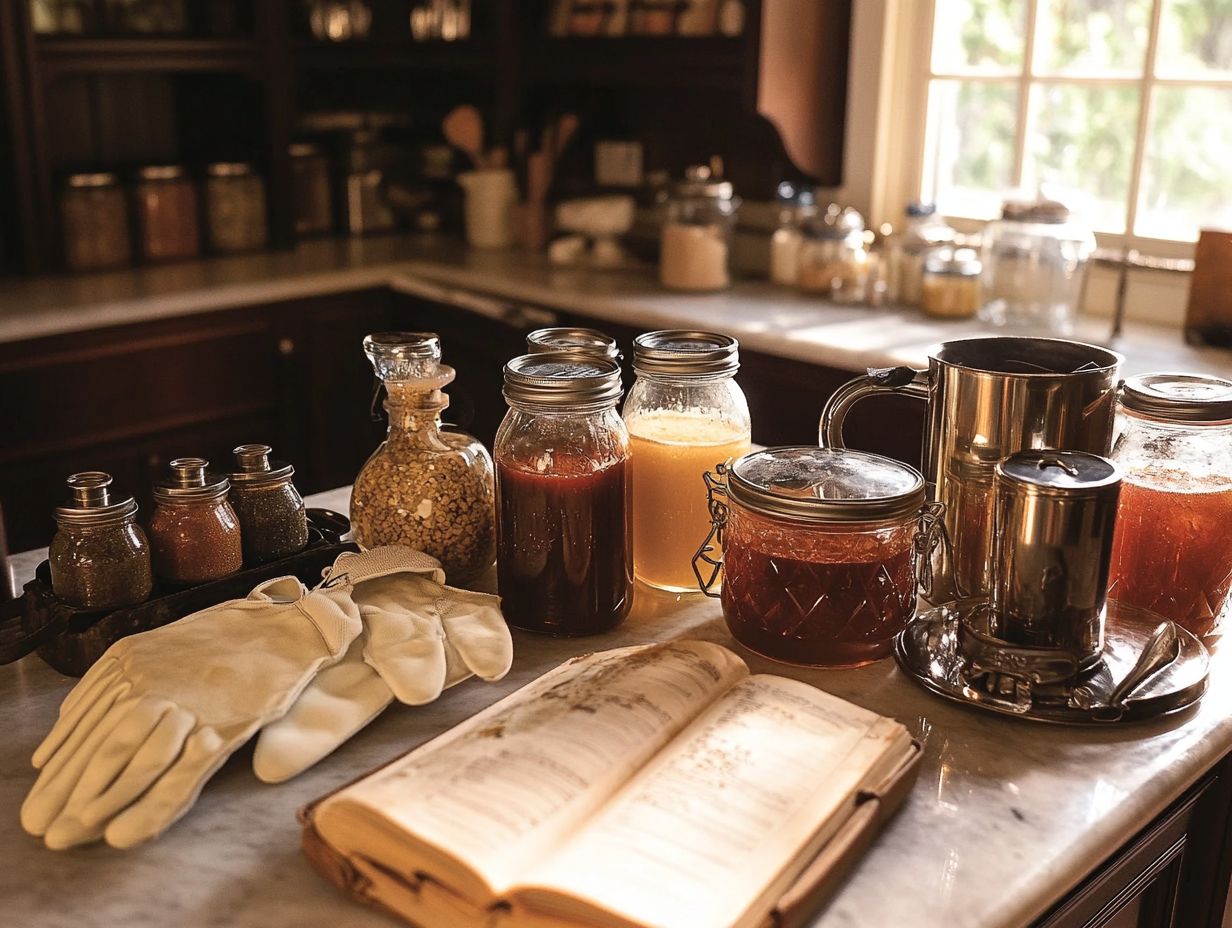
71	639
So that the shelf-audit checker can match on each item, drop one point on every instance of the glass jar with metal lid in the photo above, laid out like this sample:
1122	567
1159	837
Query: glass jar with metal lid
94	215
833	256
166	204
310	182
696	239
1173	548
194	532
273	522
818	560
570	338
685	414
234	207
950	285
99	557
565	564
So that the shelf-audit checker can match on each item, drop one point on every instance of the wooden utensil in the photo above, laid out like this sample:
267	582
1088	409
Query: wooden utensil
463	129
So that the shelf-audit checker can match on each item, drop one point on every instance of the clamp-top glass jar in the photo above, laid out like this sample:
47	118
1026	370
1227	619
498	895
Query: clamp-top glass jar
424	487
685	415
565	565
819	549
194	532
696	241
99	557
273	522
1172	552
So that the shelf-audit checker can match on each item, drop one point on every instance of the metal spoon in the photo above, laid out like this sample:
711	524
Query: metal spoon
1161	649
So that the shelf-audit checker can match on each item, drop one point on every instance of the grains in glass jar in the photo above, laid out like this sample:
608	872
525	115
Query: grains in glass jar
273	523
194	532
95	220
234	207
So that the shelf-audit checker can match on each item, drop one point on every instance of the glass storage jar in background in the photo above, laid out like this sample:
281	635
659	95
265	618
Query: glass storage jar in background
424	488
565	338
99	557
194	532
1035	260
310	183
950	287
818	553
565	564
794	208
166	207
1172	552
234	207
685	415
833	255
94	215
695	251
924	233
273	522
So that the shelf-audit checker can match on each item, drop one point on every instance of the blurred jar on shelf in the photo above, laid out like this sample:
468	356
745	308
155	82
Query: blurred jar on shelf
834	256
166	206
950	286
924	233
310	184
94	216
1035	260
234	207
697	230
795	206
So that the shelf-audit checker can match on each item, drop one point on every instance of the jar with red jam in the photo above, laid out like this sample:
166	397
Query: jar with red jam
818	558
564	540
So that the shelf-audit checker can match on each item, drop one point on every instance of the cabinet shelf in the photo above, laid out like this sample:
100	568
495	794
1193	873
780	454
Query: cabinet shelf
468	55
77	55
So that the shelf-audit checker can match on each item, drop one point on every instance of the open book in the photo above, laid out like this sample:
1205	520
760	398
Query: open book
650	786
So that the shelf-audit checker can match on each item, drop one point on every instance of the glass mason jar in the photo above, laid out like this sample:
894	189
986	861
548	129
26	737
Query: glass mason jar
685	415
273	522
194	532
950	286
94	214
794	208
425	488
818	557
695	252
569	338
99	557
1035	260
562	476
166	202
833	256
234	207
1172	552
924	233
310	182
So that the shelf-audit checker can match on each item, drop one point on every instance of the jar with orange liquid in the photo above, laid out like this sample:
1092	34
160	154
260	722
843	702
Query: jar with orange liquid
685	414
1172	552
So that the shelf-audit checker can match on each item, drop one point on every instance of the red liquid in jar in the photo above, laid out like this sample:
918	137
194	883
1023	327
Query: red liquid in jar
564	559
817	598
1172	552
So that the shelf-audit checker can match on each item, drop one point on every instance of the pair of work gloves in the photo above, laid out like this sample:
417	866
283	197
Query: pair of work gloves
159	713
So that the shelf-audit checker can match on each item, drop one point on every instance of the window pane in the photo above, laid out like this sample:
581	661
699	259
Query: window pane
979	36
1092	36
1187	171
969	156
1081	147
1195	39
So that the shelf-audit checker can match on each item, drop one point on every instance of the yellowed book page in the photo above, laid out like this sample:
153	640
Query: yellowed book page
714	829
498	792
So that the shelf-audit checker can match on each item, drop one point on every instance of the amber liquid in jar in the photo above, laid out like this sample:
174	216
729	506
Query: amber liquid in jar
565	560
1171	554
832	596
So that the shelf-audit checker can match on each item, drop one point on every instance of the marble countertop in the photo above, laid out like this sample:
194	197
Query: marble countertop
1006	817
765	317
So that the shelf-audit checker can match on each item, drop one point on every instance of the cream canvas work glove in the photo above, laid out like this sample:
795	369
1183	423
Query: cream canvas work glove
419	638
160	712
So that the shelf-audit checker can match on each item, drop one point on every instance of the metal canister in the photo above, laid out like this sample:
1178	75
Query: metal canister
1052	545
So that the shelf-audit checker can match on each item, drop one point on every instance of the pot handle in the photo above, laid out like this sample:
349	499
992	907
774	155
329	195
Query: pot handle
716	496
905	380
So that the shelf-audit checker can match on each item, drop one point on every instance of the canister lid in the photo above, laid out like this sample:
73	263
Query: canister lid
571	338
91	502
403	355
92	179
1060	473
1179	397
189	480
228	169
161	172
700	181
256	468
563	378
682	352
825	484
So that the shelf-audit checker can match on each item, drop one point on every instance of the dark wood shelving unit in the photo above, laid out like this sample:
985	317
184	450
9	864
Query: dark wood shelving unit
466	56
56	56
669	62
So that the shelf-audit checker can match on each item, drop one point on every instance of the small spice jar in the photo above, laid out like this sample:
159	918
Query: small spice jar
833	256
166	213
94	214
273	522
569	338
950	285
314	205
194	532
234	207
696	239
818	553
99	557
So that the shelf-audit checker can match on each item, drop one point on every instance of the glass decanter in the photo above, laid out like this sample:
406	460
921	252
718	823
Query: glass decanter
424	488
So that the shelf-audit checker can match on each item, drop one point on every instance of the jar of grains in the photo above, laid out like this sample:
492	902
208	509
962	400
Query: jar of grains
194	532
273	522
99	557
166	213
695	252
94	214
234	207
424	487
950	284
